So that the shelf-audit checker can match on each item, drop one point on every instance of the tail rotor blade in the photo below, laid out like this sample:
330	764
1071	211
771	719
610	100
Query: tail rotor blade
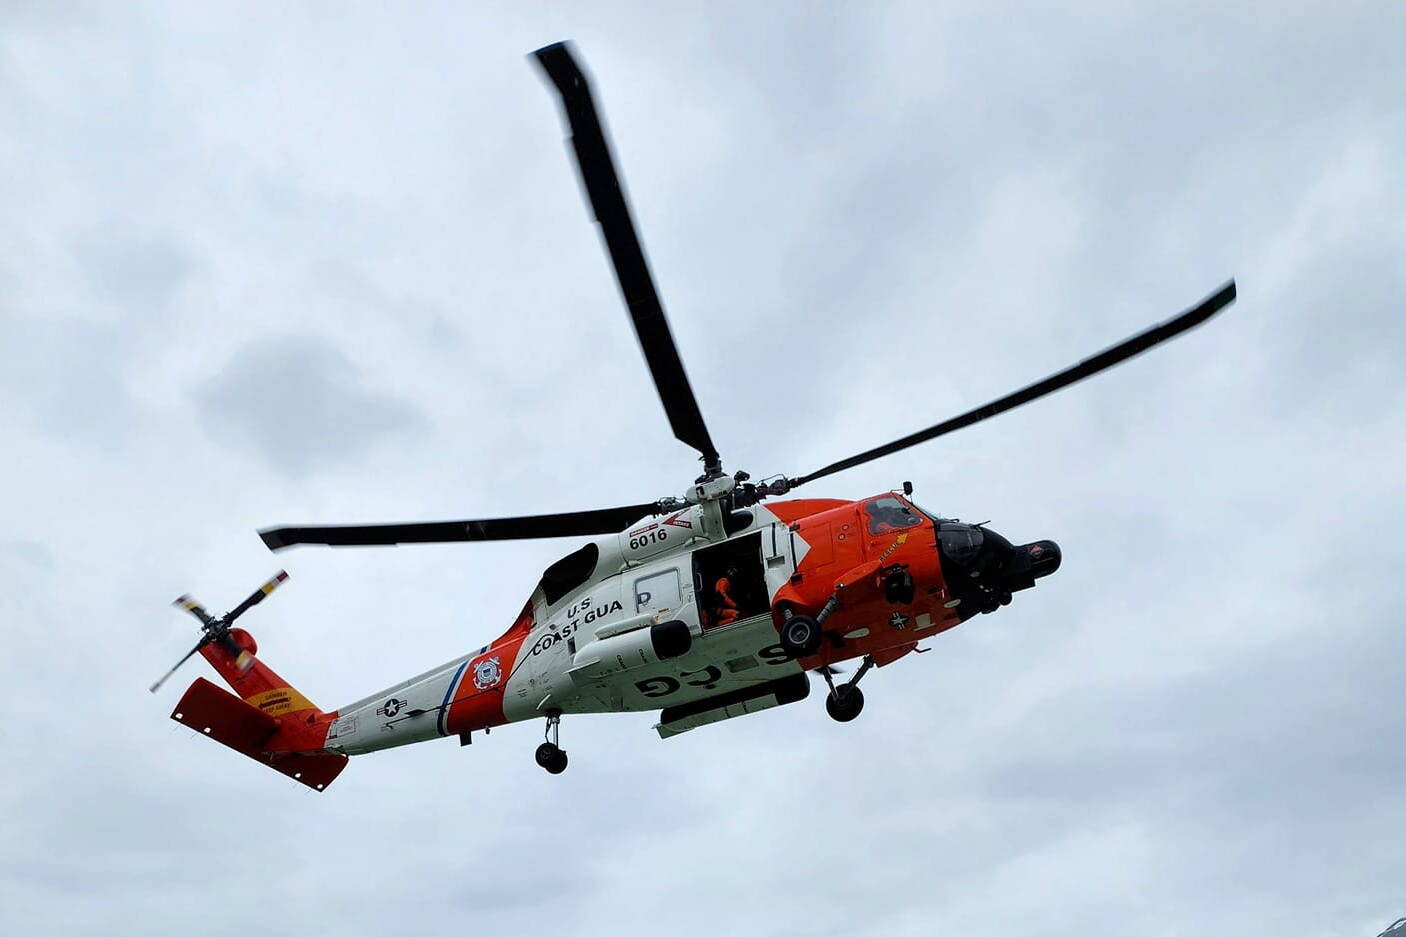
217	629
167	676
258	596
188	604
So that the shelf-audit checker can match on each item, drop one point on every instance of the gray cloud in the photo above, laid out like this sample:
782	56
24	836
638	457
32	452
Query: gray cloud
298	403
140	274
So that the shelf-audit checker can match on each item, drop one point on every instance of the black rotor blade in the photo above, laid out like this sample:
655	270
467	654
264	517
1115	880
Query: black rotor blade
607	199
537	526
191	653
256	597
195	608
1086	368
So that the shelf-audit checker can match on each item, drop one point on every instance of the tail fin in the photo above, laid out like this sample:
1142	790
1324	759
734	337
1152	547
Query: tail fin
269	721
254	681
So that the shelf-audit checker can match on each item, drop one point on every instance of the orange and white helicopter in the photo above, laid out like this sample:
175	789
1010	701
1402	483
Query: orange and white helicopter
705	607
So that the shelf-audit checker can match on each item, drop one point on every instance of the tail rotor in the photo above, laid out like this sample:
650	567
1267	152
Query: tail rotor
217	629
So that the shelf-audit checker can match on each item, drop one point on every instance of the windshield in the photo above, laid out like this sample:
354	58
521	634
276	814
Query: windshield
960	543
935	518
888	514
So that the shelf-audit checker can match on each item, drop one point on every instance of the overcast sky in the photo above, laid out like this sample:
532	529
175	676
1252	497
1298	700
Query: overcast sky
266	265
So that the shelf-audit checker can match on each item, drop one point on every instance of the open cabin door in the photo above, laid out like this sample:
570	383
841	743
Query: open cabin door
730	582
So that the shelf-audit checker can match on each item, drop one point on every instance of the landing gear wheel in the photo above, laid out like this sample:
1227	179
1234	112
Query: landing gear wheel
845	703
800	636
551	758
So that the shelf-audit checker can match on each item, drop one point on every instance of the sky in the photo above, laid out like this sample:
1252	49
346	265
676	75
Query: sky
325	263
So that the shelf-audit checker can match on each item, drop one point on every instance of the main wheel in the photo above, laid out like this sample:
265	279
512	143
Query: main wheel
800	635
551	758
845	703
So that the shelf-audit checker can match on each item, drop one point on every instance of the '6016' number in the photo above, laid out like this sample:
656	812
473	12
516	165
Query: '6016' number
645	539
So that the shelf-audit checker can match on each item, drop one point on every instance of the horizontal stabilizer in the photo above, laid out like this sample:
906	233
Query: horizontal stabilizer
227	719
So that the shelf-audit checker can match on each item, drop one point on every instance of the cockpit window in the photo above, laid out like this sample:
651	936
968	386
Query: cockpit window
960	543
887	515
935	518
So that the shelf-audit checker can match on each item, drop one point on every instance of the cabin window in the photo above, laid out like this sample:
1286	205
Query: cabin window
569	572
661	590
734	522
887	515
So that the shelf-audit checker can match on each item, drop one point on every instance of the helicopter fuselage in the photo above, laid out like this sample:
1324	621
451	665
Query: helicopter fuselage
637	622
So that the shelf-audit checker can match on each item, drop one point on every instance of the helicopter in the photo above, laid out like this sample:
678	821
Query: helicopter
725	601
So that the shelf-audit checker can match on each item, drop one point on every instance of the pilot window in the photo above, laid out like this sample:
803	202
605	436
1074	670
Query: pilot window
887	515
960	542
660	590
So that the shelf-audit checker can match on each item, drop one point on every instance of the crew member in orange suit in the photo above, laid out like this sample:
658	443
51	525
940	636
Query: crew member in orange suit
727	607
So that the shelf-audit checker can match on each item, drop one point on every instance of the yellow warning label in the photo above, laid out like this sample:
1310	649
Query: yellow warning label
902	539
280	701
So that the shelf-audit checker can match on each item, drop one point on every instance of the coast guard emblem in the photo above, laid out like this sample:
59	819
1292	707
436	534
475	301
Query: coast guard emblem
487	673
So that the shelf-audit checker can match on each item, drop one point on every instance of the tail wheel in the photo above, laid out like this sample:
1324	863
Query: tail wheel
800	635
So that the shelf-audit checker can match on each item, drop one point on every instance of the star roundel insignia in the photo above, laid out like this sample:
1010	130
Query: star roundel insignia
487	673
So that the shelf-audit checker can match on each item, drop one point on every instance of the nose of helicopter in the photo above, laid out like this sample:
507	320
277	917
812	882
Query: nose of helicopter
983	568
1044	557
1022	565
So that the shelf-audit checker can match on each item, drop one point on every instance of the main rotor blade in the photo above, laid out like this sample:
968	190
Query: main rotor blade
612	212
537	526
1086	368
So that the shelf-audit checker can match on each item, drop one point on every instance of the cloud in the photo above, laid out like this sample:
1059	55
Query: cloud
141	274
298	404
